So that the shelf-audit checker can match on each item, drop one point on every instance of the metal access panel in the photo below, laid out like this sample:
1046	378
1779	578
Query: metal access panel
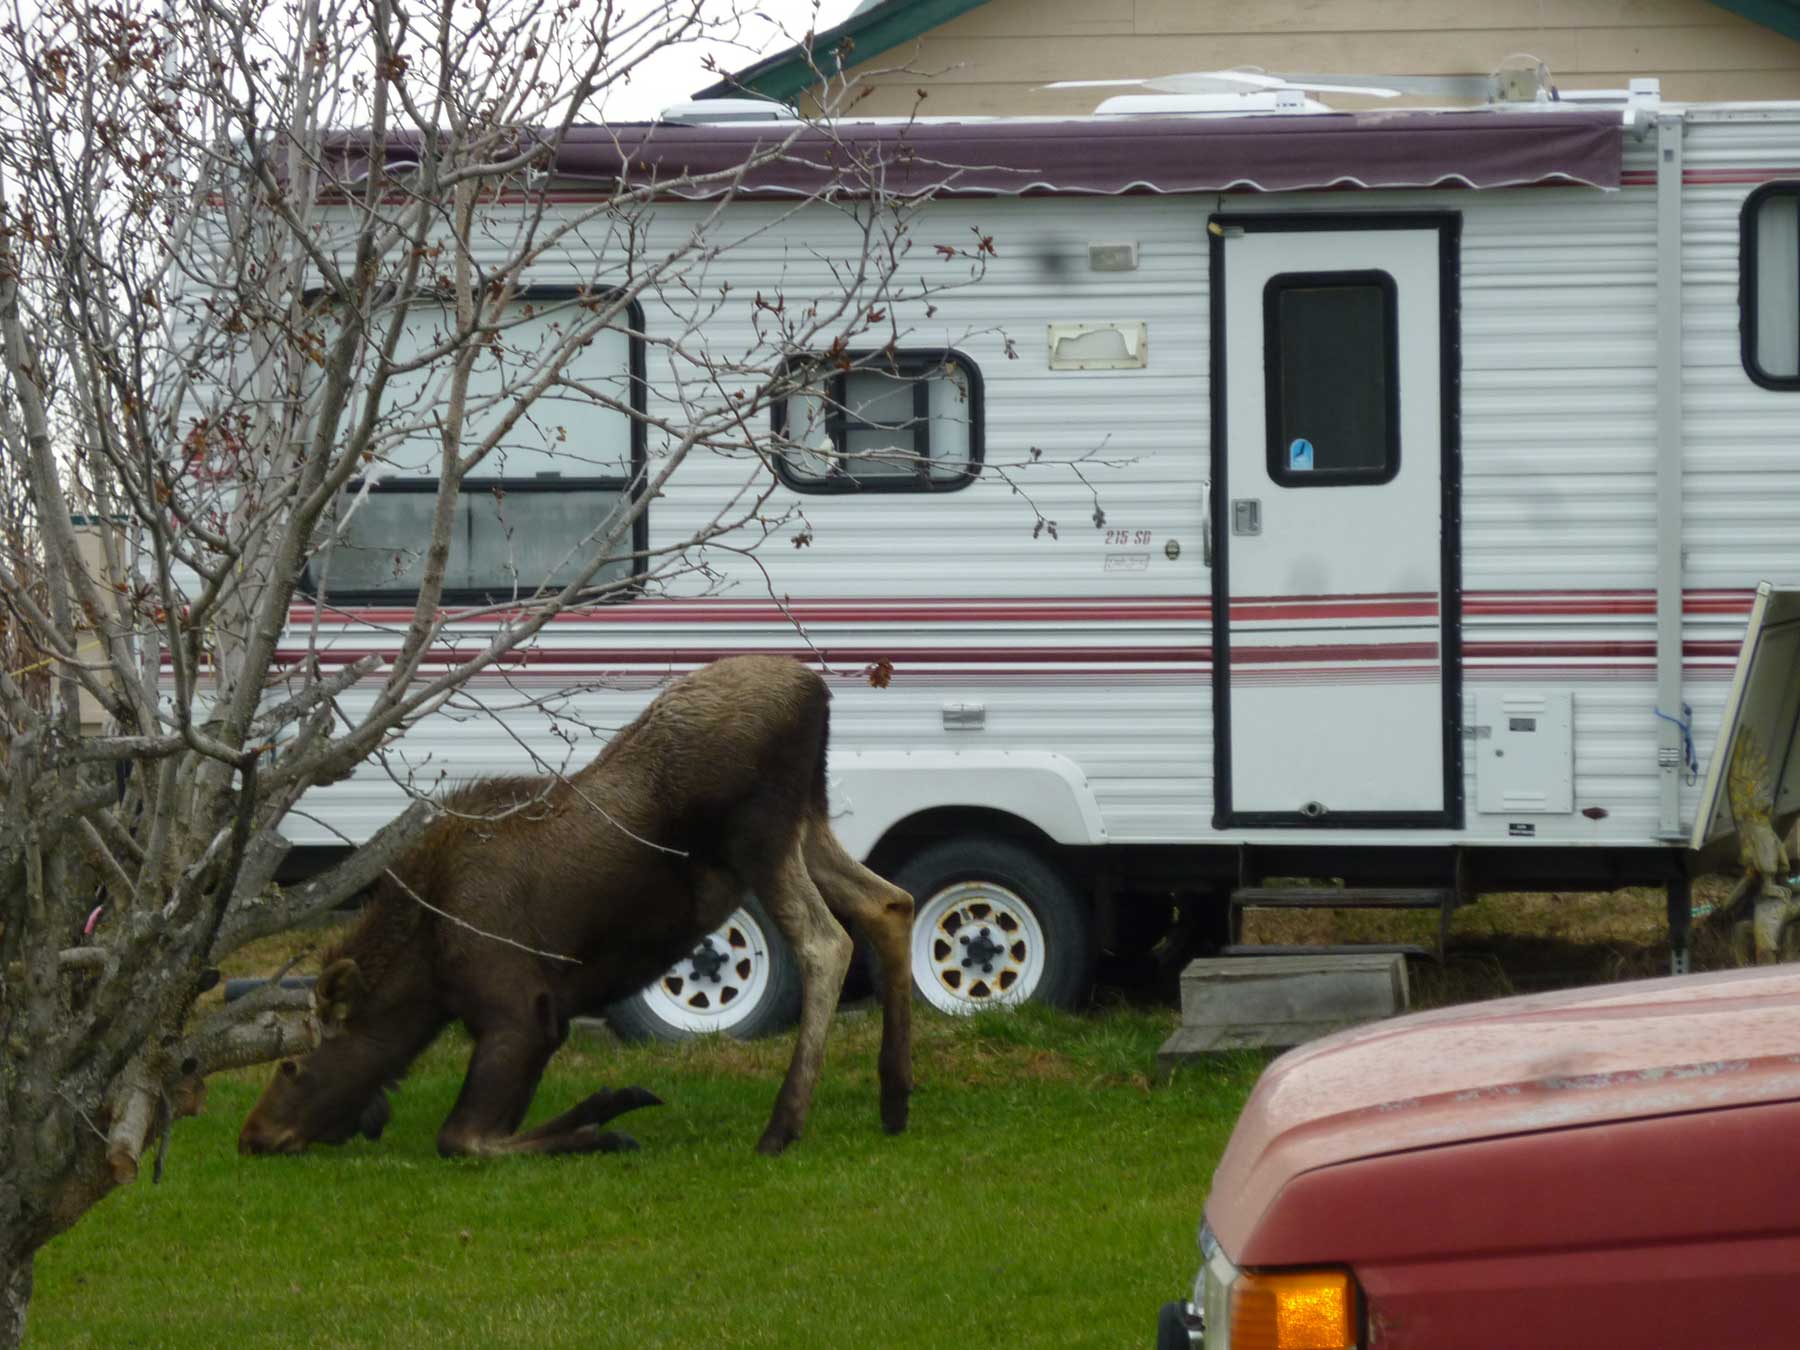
1524	752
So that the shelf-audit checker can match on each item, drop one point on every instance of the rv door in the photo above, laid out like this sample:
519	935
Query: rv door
1761	716
1336	698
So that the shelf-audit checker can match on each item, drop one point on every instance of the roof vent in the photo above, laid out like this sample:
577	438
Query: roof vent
721	111
1519	79
1209	105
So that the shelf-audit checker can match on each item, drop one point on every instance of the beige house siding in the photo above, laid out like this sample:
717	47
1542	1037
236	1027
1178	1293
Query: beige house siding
995	58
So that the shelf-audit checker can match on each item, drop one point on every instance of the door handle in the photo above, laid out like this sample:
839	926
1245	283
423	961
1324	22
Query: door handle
1206	529
1246	515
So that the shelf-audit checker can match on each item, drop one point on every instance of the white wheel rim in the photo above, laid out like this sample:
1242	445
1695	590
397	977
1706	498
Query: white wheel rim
719	984
976	945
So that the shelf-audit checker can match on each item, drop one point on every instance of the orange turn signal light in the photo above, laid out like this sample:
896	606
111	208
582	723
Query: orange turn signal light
1295	1310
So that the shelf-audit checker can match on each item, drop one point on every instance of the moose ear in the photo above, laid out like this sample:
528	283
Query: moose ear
339	986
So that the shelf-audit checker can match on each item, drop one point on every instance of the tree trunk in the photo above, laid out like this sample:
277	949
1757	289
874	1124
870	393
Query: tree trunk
15	1296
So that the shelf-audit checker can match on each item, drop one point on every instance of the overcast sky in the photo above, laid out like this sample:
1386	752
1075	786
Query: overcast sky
674	75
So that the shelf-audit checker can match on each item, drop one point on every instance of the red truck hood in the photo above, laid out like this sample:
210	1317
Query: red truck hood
1512	1066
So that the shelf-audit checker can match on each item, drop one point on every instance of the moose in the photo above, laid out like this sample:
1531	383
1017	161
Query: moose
717	788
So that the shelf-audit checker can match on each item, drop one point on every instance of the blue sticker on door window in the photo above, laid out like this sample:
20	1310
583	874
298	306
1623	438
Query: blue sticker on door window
1300	454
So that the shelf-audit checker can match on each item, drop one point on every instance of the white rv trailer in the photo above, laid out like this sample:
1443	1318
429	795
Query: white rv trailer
1441	456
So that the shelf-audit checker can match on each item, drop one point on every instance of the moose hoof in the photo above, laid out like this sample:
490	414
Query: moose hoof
606	1104
774	1142
893	1119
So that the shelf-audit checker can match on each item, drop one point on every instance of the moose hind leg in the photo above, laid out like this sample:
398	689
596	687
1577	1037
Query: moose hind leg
508	1060
588	1114
883	914
822	949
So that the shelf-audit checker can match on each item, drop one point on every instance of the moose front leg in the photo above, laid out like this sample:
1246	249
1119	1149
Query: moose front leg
502	1078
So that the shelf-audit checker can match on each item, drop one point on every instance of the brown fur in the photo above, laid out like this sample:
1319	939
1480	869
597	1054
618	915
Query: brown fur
726	773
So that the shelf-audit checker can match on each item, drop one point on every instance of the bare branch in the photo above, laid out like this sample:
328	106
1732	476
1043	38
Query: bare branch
268	1036
256	916
134	1117
322	691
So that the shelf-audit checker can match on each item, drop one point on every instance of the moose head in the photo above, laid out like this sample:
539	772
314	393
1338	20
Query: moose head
330	1095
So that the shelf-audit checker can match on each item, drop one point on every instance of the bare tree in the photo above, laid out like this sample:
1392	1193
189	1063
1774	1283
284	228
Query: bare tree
255	259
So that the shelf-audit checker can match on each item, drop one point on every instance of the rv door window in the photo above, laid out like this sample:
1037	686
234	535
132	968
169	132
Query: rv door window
1770	295
508	540
893	422
1330	369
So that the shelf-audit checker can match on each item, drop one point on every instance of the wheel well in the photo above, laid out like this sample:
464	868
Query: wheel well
908	836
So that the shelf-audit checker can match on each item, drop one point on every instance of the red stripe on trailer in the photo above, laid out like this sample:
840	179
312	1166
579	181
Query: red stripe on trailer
1646	650
1322	654
1329	655
1713	177
1412	609
1191	609
810	611
667	656
1176	674
1347	595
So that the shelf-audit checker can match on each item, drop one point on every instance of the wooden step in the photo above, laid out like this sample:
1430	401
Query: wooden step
1343	897
1277	1001
1343	949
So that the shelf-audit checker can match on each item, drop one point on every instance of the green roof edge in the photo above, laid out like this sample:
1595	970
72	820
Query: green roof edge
1781	15
786	74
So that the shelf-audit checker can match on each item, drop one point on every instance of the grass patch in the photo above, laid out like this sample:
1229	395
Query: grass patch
1046	1194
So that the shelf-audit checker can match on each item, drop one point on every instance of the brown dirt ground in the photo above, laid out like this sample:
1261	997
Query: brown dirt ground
1515	944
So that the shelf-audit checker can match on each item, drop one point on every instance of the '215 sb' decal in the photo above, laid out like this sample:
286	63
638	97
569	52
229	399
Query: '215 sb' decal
1139	537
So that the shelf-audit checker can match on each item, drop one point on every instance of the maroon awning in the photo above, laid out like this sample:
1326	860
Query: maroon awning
1411	149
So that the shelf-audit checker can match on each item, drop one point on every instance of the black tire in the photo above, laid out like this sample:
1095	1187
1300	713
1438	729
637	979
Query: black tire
664	1011
1172	1328
960	883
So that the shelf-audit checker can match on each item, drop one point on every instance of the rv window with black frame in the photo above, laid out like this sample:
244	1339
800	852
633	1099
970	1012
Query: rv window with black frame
890	422
1331	373
532	513
1770	294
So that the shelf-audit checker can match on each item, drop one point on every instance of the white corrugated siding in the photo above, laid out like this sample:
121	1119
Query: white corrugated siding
1741	487
1139	729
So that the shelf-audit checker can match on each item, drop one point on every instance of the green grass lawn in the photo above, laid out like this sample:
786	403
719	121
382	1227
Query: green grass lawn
1046	1194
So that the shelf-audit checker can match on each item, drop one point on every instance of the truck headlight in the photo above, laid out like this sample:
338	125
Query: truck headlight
1274	1310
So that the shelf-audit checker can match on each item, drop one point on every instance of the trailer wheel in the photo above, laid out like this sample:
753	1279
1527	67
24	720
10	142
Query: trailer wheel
740	980
994	923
